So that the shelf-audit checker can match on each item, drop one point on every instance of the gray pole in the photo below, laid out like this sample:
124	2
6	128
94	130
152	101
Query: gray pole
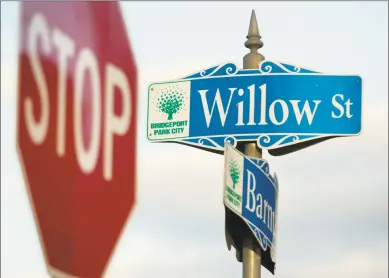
252	255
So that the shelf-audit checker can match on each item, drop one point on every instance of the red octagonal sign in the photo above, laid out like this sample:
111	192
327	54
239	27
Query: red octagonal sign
77	130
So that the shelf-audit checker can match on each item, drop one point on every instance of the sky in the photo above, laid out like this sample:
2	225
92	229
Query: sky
333	203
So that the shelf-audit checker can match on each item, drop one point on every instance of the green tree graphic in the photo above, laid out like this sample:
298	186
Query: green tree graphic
170	102
234	172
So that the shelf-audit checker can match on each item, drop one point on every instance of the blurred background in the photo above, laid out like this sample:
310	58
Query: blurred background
333	217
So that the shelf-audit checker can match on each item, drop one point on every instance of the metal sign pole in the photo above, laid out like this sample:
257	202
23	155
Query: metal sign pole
251	258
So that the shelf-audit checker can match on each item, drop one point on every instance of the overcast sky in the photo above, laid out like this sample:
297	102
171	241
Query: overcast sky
333	214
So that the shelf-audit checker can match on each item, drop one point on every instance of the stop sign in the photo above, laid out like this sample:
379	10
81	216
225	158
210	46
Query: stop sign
76	133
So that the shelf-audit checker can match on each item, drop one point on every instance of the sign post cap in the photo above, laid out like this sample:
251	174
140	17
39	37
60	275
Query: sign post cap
253	37
252	59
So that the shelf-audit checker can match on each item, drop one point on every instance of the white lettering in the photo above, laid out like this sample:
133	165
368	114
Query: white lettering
240	109
265	203
65	46
250	191
87	61
252	105
263	105
217	101
348	107
259	207
37	130
338	106
306	110
115	124
285	112
270	217
86	65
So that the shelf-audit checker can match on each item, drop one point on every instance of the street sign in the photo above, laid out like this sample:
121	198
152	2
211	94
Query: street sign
276	105
76	133
251	192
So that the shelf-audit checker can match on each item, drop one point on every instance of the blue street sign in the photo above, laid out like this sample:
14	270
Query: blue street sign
276	106
252	194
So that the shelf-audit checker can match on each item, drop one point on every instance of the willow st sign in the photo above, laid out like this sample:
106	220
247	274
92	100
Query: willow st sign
276	105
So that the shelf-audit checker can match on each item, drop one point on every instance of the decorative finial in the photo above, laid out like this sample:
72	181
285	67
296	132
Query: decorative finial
253	37
252	59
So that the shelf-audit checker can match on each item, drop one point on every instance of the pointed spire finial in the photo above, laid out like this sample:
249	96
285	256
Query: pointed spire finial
253	37
252	59
253	28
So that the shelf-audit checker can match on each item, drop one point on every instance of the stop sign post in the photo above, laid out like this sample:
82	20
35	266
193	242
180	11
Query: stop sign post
76	133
